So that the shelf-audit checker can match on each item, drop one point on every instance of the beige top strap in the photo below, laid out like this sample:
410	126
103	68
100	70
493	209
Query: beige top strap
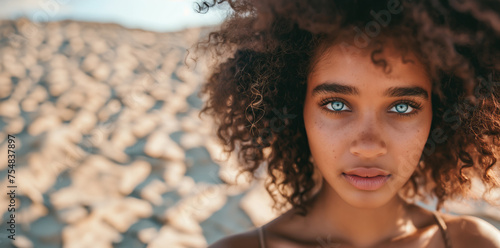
443	227
261	237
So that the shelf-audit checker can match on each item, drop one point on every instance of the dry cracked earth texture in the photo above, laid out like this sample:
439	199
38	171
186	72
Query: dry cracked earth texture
110	151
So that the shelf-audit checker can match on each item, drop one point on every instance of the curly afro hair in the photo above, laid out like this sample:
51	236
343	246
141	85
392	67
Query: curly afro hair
266	49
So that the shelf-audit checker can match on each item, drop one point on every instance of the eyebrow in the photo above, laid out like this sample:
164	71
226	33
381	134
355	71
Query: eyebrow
333	87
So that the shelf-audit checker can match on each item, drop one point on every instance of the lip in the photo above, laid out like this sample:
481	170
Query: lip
367	178
366	183
367	172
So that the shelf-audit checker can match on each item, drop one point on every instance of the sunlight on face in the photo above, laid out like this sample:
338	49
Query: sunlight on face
355	115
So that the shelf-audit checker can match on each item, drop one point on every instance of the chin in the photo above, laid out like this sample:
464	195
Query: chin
367	199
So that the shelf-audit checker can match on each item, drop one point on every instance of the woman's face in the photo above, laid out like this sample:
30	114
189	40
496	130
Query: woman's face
356	116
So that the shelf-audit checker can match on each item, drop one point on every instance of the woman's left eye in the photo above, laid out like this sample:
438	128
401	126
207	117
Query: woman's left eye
401	108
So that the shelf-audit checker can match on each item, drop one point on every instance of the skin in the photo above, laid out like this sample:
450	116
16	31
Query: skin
366	131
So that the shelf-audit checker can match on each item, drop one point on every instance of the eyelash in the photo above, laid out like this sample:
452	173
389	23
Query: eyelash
416	106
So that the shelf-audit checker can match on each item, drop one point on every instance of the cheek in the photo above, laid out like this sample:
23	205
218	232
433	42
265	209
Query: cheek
318	143
319	135
327	142
408	148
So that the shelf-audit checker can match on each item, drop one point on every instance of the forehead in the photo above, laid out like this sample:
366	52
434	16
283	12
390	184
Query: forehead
343	62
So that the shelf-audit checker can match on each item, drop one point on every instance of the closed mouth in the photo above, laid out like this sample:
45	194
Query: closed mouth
366	172
366	176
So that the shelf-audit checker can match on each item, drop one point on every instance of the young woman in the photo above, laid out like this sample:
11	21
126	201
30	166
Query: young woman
358	109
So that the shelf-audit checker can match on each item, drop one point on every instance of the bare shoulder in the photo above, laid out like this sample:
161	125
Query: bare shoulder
249	239
470	231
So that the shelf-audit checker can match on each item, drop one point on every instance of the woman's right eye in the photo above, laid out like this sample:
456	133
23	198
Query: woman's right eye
336	106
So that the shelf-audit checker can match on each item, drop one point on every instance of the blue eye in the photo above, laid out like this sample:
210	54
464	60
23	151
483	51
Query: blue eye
335	105
401	108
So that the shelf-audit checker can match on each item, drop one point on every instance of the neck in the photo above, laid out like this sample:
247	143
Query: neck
359	227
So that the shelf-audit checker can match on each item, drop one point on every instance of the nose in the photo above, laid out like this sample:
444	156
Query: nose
368	143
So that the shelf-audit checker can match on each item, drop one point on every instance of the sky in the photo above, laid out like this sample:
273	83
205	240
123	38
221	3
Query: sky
154	15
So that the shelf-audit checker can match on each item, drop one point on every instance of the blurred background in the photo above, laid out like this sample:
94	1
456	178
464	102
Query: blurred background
110	151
